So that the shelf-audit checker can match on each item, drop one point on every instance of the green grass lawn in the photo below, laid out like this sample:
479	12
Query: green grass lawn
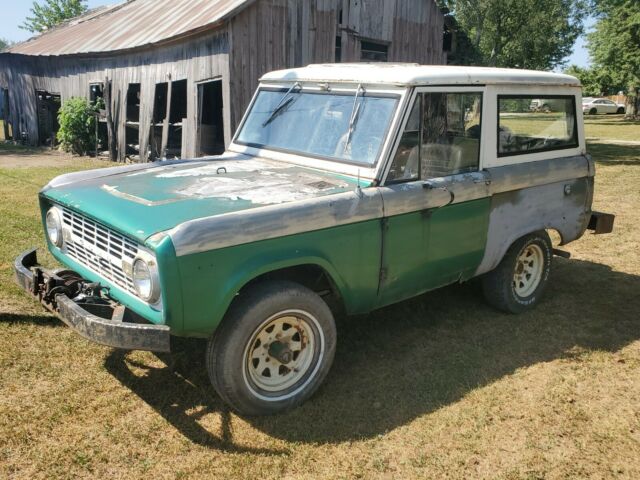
438	386
611	127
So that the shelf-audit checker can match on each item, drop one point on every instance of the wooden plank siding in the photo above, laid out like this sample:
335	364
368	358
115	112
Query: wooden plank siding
264	35
195	61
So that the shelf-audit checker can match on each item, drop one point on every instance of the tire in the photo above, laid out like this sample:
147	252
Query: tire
620	110
545	108
251	369
508	287
593	111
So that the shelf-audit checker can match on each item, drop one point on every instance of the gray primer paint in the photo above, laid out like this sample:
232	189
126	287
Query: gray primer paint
519	212
277	220
69	178
376	202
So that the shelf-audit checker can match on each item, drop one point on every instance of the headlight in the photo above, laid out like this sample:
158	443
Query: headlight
54	226
145	280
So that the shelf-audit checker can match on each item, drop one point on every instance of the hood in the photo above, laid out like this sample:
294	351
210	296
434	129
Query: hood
146	201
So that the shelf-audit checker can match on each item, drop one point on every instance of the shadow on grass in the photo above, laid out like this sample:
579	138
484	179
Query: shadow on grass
610	120
21	150
614	154
410	359
44	320
180	392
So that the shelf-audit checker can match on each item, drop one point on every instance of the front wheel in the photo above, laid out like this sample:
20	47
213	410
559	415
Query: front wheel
593	111
273	349
620	110
520	279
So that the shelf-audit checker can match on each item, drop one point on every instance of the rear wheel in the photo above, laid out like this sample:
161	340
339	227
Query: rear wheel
273	349
620	110
520	279
593	111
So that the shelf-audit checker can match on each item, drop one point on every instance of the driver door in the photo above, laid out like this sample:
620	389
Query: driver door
436	198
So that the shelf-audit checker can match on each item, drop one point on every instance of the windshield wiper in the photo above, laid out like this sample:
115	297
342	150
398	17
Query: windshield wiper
282	105
354	117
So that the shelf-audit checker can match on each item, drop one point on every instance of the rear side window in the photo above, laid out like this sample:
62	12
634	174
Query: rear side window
528	124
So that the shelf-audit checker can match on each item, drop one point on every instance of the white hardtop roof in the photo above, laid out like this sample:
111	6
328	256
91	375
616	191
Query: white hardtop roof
410	74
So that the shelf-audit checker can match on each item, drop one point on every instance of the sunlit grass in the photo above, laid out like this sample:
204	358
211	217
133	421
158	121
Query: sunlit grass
439	386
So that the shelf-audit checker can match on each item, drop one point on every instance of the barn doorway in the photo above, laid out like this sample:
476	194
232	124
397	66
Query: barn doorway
210	128
48	108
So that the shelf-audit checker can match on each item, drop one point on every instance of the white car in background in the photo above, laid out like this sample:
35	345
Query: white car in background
593	106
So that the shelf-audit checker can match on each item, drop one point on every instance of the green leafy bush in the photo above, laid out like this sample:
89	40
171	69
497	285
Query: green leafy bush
77	126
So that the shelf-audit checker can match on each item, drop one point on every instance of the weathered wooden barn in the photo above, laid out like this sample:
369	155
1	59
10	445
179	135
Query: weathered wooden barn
177	75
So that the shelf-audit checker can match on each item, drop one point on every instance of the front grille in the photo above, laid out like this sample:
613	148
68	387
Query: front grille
99	248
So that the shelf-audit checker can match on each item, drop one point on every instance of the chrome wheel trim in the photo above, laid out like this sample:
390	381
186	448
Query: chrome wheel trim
304	338
528	271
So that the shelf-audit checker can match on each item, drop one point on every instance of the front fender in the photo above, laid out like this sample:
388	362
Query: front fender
350	255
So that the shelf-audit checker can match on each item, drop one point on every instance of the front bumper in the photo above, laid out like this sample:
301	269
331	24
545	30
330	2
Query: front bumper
94	317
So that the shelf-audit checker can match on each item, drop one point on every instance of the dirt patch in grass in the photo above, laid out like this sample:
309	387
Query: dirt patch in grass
440	386
17	156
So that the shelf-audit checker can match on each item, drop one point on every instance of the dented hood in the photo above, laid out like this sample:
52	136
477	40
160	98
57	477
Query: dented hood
145	201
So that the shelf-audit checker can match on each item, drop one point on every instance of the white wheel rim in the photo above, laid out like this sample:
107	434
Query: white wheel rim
281	353
528	271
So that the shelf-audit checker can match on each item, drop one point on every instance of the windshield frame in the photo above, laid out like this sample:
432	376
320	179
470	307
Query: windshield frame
348	90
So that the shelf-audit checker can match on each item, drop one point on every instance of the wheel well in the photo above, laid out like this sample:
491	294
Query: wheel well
311	276
555	235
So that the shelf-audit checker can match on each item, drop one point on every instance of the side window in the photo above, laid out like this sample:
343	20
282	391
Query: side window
442	137
522	131
406	163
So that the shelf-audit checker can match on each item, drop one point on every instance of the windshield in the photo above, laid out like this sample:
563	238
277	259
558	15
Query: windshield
346	127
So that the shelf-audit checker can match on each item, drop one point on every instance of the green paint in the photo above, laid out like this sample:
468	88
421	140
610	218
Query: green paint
142	203
428	249
350	254
419	251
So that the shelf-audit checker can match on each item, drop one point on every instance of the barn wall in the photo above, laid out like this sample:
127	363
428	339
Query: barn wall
275	34
266	35
200	59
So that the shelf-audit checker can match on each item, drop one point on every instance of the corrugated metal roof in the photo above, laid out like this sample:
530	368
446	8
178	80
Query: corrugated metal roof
128	25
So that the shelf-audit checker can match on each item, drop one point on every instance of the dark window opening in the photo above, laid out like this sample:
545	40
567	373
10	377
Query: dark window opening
133	102
210	119
373	51
96	91
160	103
96	96
177	112
6	130
132	130
48	108
178	101
338	53
447	39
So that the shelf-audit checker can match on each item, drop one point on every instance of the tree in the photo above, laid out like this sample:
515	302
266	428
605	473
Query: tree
4	44
596	81
52	12
614	45
537	34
